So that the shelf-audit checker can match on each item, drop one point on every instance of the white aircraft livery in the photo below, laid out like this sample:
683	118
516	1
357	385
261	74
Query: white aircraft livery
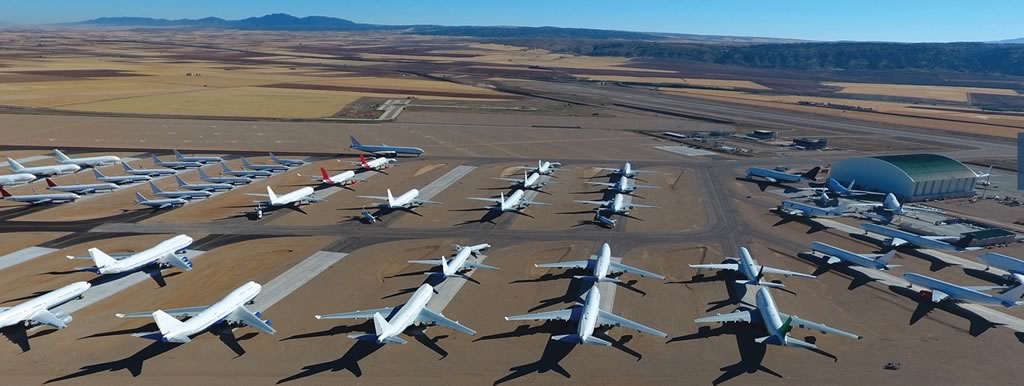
16	179
460	262
231	310
194	158
625	171
775	176
344	178
43	171
1010	264
600	266
159	203
776	323
119	179
836	255
754	272
513	203
39	199
588	317
86	161
167	253
407	200
154	172
81	188
37	310
413	312
622	185
939	291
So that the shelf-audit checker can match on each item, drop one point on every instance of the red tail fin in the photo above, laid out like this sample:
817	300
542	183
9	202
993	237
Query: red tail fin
3	192
362	160
327	178
50	183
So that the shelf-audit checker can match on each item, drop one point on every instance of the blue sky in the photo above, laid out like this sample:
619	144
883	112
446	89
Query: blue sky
890	20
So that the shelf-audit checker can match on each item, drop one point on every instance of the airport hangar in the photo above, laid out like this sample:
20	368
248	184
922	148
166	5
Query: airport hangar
911	177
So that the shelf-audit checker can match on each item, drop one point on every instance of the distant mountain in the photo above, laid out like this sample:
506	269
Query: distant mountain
1010	41
535	33
277	21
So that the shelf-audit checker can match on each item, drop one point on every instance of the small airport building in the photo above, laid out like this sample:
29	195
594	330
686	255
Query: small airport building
911	177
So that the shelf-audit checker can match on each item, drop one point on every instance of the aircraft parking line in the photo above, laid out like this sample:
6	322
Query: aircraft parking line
439	185
23	255
102	291
294	278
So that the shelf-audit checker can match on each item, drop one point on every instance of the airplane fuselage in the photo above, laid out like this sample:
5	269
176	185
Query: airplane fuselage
513	201
188	195
847	256
1007	263
48	170
385	150
148	256
407	315
83	188
811	210
343	178
770	315
44	198
16	179
90	161
294	197
604	259
588	321
123	179
911	238
954	291
405	199
773	175
21	312
214	313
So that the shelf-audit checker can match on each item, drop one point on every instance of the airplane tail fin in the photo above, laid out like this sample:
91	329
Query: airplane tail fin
891	203
127	167
15	166
245	162
224	166
391	198
154	188
323	173
355	142
444	267
96	172
202	174
50	183
811	174
851	185
101	258
1013	295
156	159
502	202
180	181
60	155
4	193
166	323
379	323
178	155
362	161
270	193
139	197
886	258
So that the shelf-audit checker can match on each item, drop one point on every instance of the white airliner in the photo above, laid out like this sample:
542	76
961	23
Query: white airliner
543	168
776	323
168	253
268	167
622	185
775	176
39	199
413	312
1010	264
129	179
625	171
799	209
194	158
407	200
244	173
939	291
376	163
460	262
617	205
36	311
81	188
513	203
154	172
836	255
600	266
230	310
158	203
529	181
300	196
185	194
175	164
834	187
891	205
209	187
86	161
897	238
16	179
754	272
344	178
223	179
43	171
588	317
286	161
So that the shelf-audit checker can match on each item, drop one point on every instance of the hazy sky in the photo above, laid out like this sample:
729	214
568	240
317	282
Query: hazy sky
889	20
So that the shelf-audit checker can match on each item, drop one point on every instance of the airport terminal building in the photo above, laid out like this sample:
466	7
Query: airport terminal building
911	177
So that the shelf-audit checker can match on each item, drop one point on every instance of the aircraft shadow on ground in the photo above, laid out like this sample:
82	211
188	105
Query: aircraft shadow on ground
18	334
925	306
857	278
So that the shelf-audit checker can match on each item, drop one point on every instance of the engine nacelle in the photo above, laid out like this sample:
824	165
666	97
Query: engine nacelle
63	316
258	314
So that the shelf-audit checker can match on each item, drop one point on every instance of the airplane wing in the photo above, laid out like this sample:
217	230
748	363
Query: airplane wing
43	201
785	272
367	314
484	199
592	202
178	261
427	262
168	205
242	314
727	267
470	264
176	312
565	314
48	318
601	183
642	206
116	256
938	296
606	318
737	316
428	316
536	203
382	198
810	325
564	264
509	179
633	270
419	201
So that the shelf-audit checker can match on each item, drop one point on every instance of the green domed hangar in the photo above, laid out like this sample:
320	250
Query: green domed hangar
911	177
